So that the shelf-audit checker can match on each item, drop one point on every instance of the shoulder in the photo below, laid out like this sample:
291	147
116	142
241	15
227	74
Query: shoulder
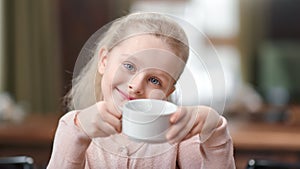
68	116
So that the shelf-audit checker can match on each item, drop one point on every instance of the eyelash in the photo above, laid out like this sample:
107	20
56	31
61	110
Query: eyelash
155	78
129	67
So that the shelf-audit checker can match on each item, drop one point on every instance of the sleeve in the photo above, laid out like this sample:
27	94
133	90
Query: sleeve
216	152
69	146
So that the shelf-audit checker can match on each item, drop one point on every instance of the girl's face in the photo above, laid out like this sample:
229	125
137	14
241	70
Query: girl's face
139	67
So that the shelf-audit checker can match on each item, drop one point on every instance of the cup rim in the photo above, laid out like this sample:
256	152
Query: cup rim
169	104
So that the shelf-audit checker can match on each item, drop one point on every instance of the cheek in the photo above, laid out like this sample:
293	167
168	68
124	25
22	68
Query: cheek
156	94
118	77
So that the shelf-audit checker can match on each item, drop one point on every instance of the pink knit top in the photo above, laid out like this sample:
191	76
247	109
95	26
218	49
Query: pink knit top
73	149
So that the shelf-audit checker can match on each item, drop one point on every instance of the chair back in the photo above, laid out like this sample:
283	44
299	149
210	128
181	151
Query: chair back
16	162
269	164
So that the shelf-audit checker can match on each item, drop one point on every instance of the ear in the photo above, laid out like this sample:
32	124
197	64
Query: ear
102	60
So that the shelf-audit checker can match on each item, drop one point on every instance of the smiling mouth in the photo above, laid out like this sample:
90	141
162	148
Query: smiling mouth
124	95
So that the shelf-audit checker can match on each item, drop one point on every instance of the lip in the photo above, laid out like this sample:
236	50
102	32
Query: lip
126	96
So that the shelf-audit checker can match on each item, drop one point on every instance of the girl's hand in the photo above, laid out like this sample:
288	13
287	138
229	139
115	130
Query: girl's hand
189	121
99	120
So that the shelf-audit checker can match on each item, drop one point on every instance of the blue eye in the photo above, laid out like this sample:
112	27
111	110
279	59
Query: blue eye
129	66
154	80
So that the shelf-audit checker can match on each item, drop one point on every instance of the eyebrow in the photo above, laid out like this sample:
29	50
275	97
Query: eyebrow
128	57
157	72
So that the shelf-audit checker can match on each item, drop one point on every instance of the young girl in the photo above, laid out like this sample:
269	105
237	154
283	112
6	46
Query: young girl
140	56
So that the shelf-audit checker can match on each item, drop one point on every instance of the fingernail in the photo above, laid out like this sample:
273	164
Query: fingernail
173	118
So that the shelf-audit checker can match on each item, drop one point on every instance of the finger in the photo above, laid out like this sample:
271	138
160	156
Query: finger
115	111
195	130
111	120
106	129
175	130
110	108
178	137
189	135
197	124
96	127
189	127
178	115
181	127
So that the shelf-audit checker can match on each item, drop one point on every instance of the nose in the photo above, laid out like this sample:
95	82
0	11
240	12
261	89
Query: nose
136	84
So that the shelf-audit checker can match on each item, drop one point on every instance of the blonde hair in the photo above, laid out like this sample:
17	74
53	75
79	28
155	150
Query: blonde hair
86	89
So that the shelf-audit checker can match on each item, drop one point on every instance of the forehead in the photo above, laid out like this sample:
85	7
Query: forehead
137	43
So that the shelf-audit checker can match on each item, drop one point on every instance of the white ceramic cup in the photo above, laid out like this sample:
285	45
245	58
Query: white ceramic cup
147	120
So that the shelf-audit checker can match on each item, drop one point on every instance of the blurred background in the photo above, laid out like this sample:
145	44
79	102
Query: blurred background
257	41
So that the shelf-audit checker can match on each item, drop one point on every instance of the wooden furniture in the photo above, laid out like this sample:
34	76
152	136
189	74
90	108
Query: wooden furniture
252	139
262	140
32	137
